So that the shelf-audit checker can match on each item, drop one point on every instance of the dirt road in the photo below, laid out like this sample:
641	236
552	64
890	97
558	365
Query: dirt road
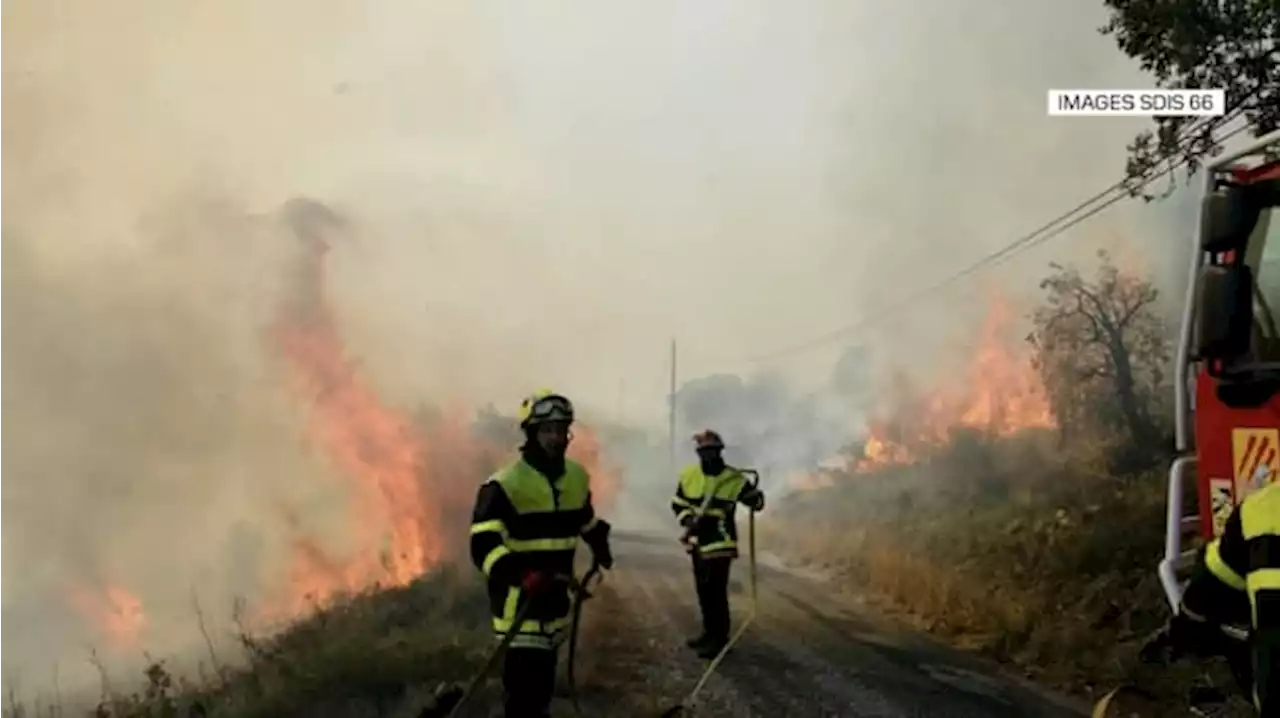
805	655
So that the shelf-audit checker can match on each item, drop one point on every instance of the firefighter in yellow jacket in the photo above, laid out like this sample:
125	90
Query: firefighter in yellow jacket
704	503
1237	581
524	533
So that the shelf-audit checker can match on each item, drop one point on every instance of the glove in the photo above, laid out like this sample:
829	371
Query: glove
537	583
687	523
755	501
689	539
598	539
602	554
1183	636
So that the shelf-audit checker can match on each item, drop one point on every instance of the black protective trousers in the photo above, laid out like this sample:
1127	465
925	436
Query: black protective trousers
528	682
711	575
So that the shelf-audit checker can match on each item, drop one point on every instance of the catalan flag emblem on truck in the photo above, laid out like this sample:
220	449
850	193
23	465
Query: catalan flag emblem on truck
1255	456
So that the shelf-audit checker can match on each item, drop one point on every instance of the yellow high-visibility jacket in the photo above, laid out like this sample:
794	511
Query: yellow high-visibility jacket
705	505
524	521
1246	558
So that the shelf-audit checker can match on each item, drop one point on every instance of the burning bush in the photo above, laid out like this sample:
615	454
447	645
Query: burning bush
985	513
409	479
1092	368
1000	394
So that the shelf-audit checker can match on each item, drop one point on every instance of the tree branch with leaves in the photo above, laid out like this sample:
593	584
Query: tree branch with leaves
1232	45
1100	349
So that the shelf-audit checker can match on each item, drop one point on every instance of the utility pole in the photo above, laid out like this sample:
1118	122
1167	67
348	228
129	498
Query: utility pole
671	411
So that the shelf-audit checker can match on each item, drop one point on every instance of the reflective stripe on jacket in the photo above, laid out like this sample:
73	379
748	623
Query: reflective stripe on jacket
522	522
716	498
1247	558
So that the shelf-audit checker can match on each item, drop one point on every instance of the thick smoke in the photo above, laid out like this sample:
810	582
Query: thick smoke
545	197
765	425
149	446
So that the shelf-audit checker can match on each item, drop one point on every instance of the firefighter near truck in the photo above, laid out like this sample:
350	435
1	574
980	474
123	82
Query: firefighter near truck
1227	422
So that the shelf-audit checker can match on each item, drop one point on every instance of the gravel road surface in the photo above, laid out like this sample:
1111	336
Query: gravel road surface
806	654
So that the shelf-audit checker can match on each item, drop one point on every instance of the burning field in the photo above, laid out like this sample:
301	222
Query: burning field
408	480
999	393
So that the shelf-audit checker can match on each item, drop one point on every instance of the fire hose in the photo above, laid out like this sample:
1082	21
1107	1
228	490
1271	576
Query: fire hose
1156	648
450	699
581	596
456	698
690	700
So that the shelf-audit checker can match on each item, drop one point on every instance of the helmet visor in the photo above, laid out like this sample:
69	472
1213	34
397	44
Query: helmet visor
550	408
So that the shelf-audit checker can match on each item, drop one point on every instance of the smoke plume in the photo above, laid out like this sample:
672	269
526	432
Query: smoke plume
532	196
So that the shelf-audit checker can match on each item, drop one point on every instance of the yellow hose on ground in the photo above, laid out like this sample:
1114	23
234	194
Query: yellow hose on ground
1100	708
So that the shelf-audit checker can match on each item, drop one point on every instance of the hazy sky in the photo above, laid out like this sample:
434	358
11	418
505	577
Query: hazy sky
541	194
543	184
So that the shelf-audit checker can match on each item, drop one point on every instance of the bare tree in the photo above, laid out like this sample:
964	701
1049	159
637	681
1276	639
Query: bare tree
1100	348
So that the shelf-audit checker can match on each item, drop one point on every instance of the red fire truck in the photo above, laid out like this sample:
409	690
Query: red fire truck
1227	379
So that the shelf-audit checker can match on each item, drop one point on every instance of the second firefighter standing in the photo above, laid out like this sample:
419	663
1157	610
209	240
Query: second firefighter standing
705	503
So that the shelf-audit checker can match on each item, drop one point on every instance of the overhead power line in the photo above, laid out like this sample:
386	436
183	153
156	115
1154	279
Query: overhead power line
1120	191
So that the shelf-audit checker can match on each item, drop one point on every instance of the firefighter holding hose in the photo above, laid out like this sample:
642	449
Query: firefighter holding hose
704	503
524	532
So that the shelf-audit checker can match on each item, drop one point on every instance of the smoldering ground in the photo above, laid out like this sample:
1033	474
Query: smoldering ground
543	197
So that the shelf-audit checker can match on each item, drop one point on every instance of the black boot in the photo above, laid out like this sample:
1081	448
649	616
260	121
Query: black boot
697	641
711	647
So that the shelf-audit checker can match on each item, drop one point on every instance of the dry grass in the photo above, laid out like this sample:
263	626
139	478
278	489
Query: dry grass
1040	562
377	654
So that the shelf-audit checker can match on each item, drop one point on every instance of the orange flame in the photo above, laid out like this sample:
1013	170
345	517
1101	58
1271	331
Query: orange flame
378	447
1001	394
405	478
586	450
411	482
114	612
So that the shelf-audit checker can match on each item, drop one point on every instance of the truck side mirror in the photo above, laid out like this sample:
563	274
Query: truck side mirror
1225	312
1227	216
